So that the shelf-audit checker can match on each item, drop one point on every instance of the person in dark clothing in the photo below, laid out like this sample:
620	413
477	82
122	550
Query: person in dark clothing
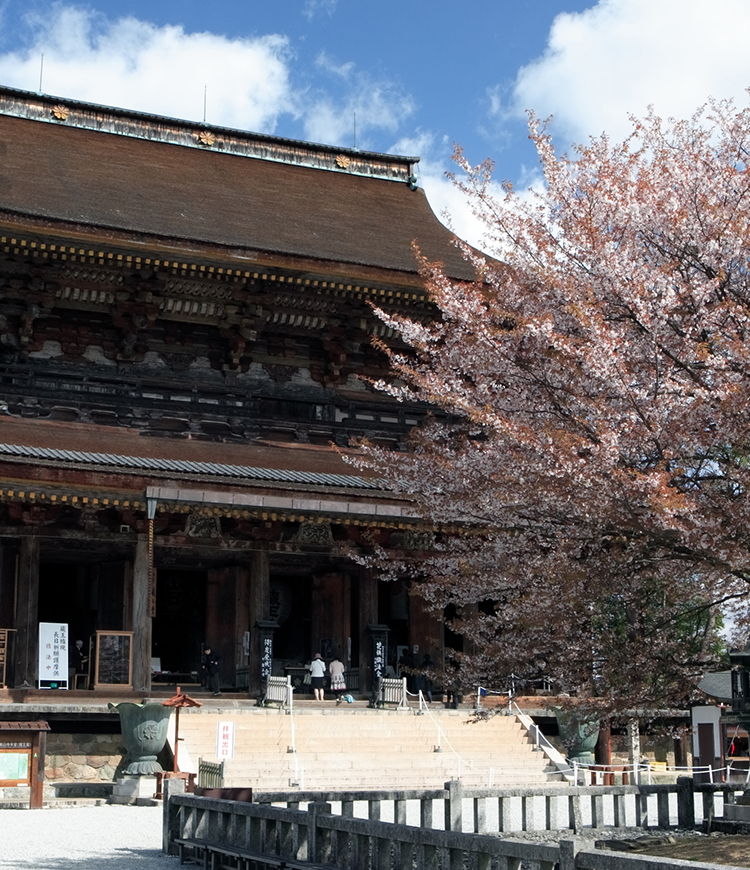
77	663
426	676
210	668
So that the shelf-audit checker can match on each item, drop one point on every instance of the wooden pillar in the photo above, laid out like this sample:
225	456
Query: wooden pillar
603	748
7	586
27	613
368	615
142	627
331	615
38	751
259	609
425	631
226	618
241	609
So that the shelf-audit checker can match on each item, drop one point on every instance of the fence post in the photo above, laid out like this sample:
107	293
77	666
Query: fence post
313	811
568	849
171	815
454	805
685	802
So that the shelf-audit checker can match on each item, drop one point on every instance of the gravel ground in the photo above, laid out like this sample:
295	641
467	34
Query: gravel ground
87	838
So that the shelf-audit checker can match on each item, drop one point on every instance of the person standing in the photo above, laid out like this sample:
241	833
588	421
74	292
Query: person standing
77	663
338	684
317	670
210	668
427	672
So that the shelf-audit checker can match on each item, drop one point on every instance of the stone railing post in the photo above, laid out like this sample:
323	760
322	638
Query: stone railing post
568	849
171	815
313	811
454	805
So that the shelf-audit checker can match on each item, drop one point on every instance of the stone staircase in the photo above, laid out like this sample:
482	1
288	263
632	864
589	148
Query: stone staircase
357	748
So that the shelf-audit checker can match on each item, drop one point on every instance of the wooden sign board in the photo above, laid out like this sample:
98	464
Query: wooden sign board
15	763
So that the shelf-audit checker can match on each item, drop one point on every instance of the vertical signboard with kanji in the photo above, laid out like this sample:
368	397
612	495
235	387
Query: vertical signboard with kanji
225	740
266	657
53	655
379	635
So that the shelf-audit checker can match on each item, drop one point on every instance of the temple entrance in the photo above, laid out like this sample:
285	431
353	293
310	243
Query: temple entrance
86	596
179	627
291	608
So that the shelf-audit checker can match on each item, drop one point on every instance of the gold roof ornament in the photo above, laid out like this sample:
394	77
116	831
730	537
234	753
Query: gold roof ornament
207	138
61	112
343	161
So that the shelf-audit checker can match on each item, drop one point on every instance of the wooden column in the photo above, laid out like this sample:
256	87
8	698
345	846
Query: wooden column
7	586
331	614
241	609
27	613
38	752
368	615
603	748
226	618
259	609
425	631
142	627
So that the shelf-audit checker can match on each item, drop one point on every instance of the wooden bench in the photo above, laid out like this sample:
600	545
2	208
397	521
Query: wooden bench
220	856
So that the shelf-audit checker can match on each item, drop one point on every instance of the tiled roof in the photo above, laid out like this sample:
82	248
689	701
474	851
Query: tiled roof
249	206
181	466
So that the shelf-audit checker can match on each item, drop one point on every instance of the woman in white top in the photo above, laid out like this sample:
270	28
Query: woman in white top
317	676
338	686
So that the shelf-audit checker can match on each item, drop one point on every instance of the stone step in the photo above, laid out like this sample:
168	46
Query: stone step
365	749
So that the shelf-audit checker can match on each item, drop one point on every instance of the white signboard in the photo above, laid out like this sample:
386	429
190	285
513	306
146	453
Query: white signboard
225	740
53	655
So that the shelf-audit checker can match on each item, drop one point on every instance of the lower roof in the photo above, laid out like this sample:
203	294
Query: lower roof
78	443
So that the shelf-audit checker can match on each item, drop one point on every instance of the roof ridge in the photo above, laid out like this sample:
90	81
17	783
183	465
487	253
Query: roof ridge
63	111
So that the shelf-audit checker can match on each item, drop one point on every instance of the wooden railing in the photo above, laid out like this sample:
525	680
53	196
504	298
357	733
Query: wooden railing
210	774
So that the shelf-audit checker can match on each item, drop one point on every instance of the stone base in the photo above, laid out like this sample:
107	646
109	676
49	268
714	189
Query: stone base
135	790
739	812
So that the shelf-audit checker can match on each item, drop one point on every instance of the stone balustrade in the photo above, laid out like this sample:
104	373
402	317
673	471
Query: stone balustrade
344	842
685	804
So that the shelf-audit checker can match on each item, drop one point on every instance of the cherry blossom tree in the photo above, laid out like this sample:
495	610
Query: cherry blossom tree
588	468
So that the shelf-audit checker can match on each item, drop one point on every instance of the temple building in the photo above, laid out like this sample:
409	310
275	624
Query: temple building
185	320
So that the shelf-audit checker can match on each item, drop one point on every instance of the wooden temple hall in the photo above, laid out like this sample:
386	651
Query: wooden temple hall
185	311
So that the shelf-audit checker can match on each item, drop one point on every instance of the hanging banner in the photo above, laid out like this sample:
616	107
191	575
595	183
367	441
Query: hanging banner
225	740
53	655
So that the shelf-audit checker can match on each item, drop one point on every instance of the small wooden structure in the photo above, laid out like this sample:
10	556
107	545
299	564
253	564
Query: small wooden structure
178	701
22	749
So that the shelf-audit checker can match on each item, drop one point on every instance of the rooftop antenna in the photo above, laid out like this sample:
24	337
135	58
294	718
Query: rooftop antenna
354	146
205	91
41	73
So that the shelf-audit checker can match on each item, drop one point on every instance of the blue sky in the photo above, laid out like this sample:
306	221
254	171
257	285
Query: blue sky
418	75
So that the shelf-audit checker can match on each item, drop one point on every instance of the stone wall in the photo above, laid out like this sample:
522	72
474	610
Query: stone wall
83	757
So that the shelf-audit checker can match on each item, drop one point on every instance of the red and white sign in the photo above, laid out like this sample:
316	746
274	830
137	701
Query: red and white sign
225	740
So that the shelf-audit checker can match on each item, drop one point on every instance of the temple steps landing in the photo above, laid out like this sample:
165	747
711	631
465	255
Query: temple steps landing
354	747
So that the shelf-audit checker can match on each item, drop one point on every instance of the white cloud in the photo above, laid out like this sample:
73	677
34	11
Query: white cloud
445	199
319	7
376	105
133	64
325	63
621	56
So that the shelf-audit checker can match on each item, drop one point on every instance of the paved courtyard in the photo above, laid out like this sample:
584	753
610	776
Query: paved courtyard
85	838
